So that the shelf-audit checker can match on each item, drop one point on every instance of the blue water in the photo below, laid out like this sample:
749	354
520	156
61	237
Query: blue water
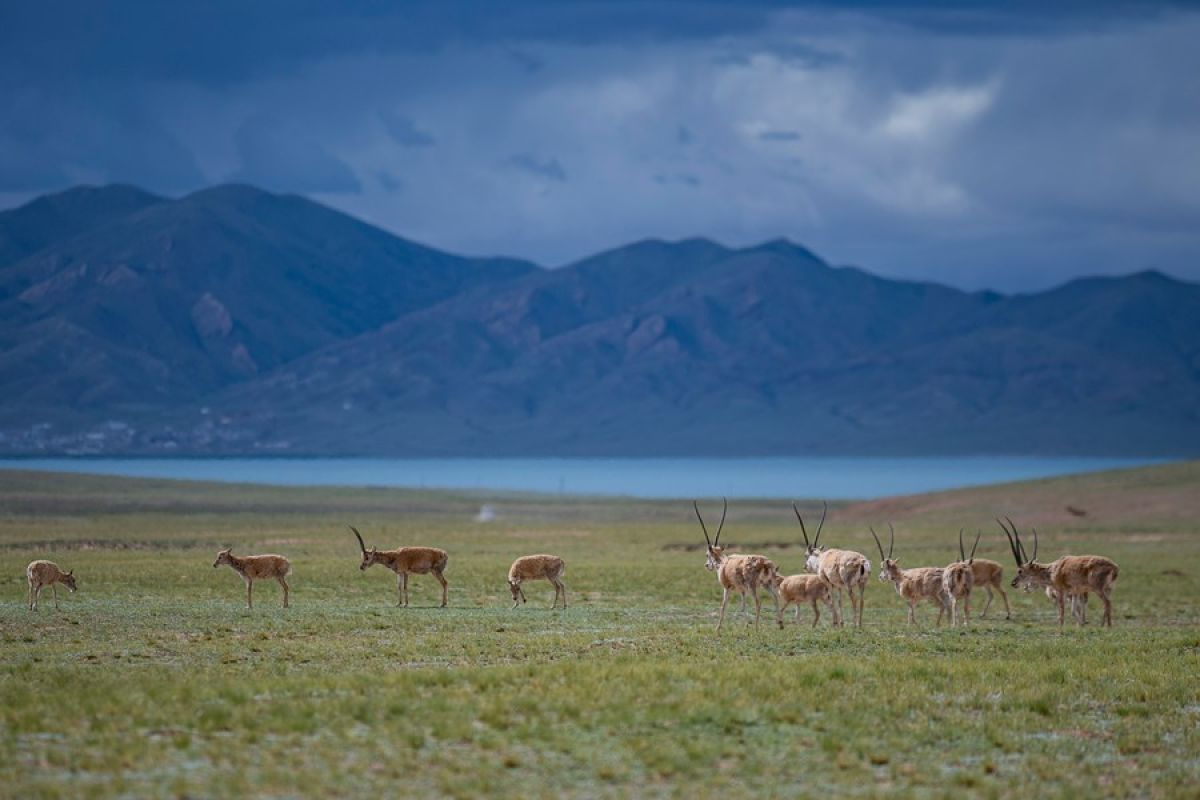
832	478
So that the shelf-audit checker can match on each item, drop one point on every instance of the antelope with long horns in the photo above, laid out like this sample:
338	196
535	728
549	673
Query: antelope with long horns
739	573
254	568
915	584
405	560
1070	576
41	574
959	579
841	569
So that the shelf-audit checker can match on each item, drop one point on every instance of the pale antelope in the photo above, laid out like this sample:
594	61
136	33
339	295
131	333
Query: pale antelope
959	579
915	584
41	574
841	569
531	568
801	589
402	561
990	575
1069	576
1078	604
254	568
739	573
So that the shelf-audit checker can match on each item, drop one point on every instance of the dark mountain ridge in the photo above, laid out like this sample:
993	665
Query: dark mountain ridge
234	320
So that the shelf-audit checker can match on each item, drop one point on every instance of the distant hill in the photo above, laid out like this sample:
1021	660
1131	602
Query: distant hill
234	320
179	298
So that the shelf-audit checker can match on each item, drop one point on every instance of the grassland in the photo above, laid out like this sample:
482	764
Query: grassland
153	680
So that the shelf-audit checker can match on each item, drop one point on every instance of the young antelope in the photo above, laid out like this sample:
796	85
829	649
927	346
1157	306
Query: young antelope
532	568
801	589
255	568
46	573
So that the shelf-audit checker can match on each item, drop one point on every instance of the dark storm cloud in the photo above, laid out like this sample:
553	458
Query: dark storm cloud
1008	145
548	168
404	130
279	156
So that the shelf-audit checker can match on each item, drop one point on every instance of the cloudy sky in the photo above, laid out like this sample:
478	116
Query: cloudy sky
1011	149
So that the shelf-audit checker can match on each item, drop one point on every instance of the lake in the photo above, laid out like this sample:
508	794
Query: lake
834	478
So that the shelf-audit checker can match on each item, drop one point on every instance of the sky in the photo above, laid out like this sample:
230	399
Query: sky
1010	146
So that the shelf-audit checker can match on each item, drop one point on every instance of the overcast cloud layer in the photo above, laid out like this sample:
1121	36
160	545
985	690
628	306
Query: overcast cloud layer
1012	150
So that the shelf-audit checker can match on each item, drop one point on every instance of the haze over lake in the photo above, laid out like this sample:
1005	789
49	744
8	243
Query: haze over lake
832	478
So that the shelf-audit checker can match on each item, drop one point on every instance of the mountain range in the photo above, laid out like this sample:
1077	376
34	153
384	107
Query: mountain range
233	320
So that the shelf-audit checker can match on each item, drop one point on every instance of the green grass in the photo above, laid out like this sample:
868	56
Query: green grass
153	680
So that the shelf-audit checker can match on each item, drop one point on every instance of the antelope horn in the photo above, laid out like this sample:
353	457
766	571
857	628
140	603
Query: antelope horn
799	518
1020	545
975	546
358	536
1034	544
1012	546
824	511
724	508
891	540
962	553
878	544
702	526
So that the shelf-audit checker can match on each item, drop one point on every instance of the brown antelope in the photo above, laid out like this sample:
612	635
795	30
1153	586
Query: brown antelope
990	575
46	573
402	561
531	568
915	584
254	568
958	579
739	573
801	589
1069	576
841	569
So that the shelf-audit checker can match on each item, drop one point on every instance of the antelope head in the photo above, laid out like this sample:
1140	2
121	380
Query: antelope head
813	549
962	551
370	555
69	580
1030	574
716	553
889	569
224	557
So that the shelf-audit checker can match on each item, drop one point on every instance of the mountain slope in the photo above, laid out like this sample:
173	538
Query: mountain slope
62	216
182	297
763	350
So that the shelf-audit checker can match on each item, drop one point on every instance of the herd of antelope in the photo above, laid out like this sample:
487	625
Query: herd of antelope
830	571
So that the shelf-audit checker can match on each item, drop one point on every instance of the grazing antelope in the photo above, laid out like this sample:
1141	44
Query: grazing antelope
402	561
1069	576
915	584
959	579
254	568
531	568
739	573
46	573
990	575
841	569
801	589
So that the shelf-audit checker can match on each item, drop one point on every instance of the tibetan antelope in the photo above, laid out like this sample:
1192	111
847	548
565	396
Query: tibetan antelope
531	568
801	589
739	573
1070	576
841	569
254	568
402	561
989	575
41	574
959	579
915	584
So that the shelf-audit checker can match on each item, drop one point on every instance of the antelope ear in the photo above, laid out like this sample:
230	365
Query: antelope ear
70	573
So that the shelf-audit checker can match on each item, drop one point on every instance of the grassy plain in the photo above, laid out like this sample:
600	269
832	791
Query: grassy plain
153	680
